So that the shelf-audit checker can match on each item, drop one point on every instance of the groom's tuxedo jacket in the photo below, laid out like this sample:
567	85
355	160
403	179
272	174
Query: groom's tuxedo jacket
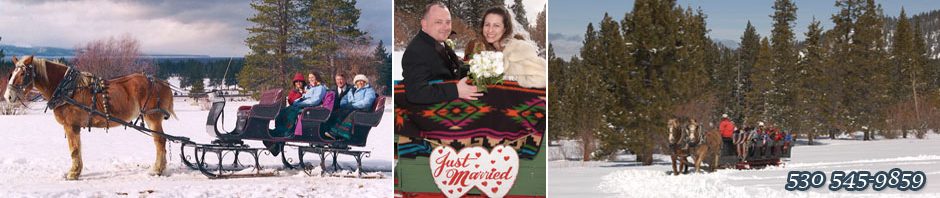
424	63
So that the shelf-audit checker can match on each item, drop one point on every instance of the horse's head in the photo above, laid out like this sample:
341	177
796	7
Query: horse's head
692	129
21	80
672	127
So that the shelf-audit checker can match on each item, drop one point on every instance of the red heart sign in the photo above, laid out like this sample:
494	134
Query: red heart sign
453	170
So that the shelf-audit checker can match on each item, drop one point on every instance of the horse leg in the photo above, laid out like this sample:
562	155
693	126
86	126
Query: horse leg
715	165
73	134
685	165
698	160
675	170
684	159
155	122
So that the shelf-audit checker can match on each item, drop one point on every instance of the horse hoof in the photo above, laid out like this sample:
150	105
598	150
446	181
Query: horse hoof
71	176
156	173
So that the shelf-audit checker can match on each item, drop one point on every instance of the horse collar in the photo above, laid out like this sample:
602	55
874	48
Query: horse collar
65	89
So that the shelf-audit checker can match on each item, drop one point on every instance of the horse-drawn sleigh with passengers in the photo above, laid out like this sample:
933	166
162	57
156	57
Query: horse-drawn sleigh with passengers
740	148
142	102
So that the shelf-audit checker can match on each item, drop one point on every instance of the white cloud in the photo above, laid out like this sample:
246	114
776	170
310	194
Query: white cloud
69	23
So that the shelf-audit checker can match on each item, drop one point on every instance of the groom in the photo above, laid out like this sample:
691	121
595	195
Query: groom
427	61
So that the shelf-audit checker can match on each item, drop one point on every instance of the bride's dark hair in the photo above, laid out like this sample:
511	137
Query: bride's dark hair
507	24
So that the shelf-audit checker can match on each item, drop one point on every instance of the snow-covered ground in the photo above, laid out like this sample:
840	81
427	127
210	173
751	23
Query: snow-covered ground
34	158
625	178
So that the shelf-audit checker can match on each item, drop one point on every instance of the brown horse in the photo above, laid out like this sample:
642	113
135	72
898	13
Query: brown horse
678	145
709	148
685	141
130	96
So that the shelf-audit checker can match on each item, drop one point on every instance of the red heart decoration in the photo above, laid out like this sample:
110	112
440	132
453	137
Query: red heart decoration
484	183
494	170
506	158
494	189
492	161
450	191
499	183
440	150
477	166
499	150
459	189
478	154
445	182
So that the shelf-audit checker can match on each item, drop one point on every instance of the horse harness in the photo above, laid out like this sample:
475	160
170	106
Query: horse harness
74	80
684	142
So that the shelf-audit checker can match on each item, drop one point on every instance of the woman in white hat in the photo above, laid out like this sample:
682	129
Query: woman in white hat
360	98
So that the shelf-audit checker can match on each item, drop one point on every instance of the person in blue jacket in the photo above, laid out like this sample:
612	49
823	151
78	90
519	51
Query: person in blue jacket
361	98
314	94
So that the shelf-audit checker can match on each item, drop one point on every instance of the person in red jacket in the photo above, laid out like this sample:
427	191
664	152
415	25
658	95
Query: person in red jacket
726	127
298	89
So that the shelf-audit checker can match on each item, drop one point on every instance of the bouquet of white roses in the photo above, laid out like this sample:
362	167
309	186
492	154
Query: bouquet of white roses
486	68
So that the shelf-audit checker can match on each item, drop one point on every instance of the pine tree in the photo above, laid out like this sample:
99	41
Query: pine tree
610	91
902	58
581	89
759	101
651	30
298	36
783	66
518	9
750	45
472	11
557	96
538	34
871	44
384	68
858	47
269	40
910	73
921	57
811	84
330	24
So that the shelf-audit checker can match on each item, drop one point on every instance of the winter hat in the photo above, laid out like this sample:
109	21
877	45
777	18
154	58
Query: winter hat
361	77
299	77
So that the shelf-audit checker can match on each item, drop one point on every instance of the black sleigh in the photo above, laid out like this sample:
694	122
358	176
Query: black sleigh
256	123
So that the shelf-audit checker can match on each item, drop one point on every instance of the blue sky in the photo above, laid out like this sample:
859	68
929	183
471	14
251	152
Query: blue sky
567	20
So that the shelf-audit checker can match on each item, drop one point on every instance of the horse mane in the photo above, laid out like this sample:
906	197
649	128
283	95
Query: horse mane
41	69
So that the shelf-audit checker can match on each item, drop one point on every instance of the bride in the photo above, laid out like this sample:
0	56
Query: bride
499	32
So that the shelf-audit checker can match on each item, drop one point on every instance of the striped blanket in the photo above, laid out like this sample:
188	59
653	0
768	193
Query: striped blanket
506	115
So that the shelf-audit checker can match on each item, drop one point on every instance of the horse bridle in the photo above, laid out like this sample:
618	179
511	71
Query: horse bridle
29	72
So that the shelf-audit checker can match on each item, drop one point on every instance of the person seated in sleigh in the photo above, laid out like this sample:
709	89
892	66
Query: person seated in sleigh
311	95
297	90
360	98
